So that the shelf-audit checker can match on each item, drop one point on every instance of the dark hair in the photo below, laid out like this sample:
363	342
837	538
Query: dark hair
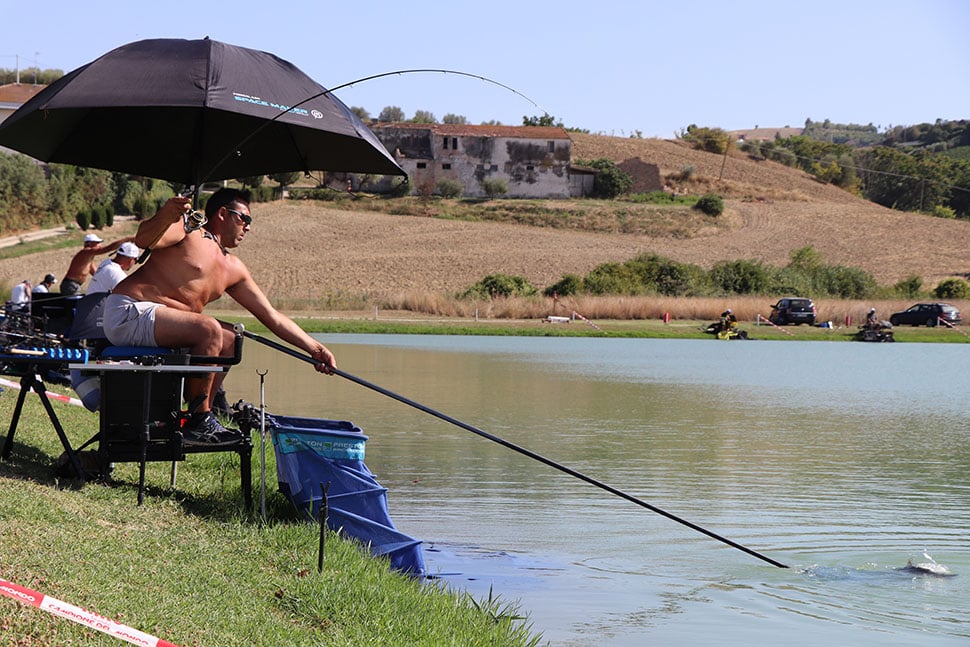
225	197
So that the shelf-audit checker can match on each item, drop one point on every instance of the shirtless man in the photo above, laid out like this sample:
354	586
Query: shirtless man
82	265
160	304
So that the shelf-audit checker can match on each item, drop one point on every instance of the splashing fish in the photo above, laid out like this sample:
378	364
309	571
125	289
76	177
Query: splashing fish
929	567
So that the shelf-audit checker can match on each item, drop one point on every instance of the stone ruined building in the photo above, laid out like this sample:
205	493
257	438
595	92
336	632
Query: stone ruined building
533	160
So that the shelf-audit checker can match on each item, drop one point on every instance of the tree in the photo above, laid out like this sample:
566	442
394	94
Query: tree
286	179
253	181
424	117
452	118
391	113
545	120
361	113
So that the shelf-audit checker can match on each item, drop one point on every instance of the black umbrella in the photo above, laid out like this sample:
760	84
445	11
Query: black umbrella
193	111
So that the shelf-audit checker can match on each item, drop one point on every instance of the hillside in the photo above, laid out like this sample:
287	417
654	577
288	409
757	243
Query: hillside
298	250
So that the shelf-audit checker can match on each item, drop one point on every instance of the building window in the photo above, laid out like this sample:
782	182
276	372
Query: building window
446	167
445	143
454	143
422	165
530	168
552	147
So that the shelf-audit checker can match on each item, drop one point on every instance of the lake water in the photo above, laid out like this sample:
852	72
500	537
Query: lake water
840	460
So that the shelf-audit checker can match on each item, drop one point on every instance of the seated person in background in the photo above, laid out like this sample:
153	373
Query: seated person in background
728	320
871	321
113	270
161	303
45	286
20	295
82	265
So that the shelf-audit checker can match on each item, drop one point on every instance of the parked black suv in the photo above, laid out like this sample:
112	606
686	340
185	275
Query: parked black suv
926	314
793	310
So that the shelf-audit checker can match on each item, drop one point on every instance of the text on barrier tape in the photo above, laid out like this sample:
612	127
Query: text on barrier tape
79	615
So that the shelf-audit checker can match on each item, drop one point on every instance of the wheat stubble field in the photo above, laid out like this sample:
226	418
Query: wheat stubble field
304	250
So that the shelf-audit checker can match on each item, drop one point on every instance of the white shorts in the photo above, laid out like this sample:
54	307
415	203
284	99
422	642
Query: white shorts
128	322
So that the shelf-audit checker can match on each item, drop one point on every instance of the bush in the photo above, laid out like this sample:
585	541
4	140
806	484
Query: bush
495	187
710	204
952	289
501	285
448	188
400	187
568	285
610	181
784	156
944	212
845	282
743	277
612	278
909	287
83	219
97	216
712	140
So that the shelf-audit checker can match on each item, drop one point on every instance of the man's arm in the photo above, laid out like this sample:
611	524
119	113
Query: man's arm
110	247
160	230
247	294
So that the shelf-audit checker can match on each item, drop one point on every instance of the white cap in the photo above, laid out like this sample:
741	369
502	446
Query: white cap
93	238
130	250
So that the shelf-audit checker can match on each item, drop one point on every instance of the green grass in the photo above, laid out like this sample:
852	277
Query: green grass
642	329
190	566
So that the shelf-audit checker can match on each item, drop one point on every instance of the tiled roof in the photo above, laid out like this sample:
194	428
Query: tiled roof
18	92
468	130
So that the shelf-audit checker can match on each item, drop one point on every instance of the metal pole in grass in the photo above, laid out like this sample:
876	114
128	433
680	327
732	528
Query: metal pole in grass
517	448
262	443
324	512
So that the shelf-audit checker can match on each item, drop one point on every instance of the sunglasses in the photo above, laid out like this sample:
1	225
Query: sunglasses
247	220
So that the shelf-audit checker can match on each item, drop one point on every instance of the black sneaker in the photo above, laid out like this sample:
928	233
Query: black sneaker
204	430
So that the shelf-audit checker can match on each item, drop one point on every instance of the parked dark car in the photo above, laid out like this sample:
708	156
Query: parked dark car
926	314
793	310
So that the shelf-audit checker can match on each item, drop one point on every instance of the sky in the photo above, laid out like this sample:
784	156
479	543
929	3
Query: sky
614	67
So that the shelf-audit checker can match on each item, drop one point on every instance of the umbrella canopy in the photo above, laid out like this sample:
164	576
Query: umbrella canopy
193	111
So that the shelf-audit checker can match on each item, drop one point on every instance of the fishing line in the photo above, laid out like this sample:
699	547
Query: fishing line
235	149
514	447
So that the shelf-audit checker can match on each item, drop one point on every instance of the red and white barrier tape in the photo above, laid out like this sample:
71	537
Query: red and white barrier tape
952	327
79	615
576	314
50	394
760	319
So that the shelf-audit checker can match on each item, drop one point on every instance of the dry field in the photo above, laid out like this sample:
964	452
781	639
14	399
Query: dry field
301	251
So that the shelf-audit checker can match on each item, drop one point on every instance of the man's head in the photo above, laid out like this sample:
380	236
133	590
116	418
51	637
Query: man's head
227	214
226	198
49	280
127	254
92	240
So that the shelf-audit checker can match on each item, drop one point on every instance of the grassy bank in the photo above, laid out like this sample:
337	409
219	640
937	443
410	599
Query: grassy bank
190	566
408	323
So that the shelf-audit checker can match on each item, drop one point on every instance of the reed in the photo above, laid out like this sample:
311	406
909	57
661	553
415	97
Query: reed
632	308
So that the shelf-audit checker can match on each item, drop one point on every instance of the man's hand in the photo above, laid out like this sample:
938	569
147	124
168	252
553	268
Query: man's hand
174	209
325	359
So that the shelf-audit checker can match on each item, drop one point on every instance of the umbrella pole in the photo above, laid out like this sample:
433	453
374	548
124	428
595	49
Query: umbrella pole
516	448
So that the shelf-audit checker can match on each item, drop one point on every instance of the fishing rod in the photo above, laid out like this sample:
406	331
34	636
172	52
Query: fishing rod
517	448
325	91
